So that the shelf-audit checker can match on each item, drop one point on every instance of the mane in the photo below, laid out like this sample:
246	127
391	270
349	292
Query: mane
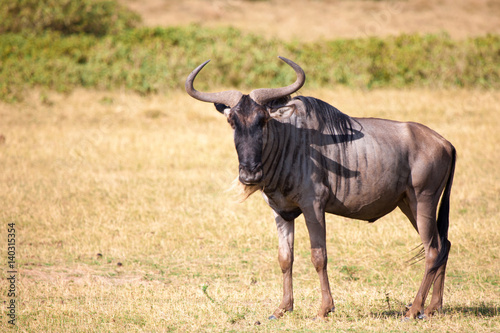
336	122
340	128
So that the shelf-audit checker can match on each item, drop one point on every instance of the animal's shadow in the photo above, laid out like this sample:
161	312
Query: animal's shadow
483	310
337	142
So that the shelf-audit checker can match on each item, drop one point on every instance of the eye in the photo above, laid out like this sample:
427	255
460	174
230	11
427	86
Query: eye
262	121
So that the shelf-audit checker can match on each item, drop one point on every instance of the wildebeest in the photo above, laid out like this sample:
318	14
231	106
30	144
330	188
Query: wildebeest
307	157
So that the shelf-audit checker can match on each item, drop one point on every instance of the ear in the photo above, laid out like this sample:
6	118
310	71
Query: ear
287	110
224	109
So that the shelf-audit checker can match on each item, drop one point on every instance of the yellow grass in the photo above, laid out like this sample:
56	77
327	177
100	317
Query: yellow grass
123	222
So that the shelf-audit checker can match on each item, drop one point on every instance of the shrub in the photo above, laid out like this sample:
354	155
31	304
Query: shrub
152	60
96	17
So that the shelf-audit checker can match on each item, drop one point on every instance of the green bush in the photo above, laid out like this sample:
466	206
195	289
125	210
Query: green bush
155	60
404	61
96	17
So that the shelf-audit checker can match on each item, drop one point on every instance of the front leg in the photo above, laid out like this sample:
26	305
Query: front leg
315	221
286	230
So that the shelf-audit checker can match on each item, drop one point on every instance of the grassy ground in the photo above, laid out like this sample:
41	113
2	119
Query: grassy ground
123	222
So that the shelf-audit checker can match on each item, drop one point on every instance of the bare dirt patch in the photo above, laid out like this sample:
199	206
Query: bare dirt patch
312	20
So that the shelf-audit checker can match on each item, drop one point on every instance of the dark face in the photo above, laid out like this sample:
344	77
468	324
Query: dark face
248	116
248	119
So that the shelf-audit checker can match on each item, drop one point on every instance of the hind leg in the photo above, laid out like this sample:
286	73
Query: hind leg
425	224
436	303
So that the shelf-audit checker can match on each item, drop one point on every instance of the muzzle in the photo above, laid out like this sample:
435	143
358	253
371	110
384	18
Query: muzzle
250	176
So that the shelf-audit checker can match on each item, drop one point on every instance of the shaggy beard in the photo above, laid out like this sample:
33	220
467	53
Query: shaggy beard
242	191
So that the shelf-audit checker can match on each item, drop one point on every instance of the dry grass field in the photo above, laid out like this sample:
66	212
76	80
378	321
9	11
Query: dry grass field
123	222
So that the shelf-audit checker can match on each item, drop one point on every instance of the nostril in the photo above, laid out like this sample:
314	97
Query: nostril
250	177
255	167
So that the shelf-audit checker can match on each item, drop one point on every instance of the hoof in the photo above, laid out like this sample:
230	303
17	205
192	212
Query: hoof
279	313
405	319
321	317
422	316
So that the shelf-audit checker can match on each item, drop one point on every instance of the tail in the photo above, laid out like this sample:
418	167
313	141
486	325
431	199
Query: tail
443	219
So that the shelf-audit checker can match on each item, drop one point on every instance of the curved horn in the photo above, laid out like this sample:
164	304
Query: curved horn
264	95
229	98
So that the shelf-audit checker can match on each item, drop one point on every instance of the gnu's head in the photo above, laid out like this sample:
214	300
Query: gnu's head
247	115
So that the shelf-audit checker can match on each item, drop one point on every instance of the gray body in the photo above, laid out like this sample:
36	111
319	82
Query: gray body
306	157
363	179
